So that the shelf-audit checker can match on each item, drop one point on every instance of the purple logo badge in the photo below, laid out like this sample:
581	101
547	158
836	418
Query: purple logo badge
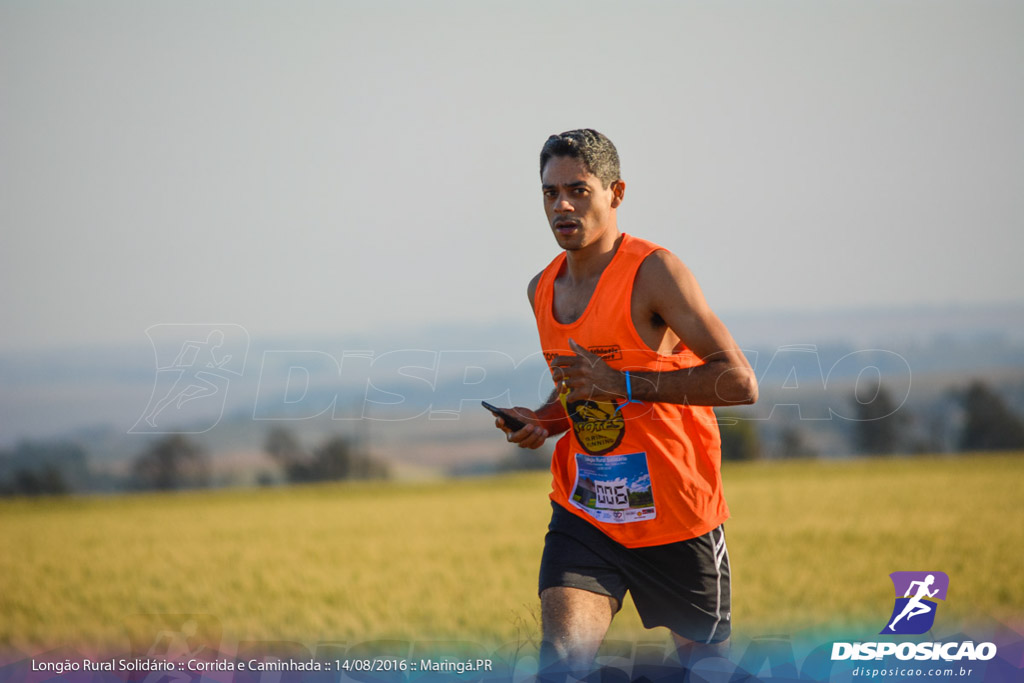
916	595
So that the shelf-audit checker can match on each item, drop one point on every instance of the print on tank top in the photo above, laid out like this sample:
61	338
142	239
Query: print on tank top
597	425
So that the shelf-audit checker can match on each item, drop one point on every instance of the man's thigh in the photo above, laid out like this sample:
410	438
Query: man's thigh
685	587
576	555
565	609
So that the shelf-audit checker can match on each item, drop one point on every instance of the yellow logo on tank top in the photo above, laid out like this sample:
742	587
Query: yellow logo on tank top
598	428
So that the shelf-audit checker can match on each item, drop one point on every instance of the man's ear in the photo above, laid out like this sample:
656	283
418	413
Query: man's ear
618	192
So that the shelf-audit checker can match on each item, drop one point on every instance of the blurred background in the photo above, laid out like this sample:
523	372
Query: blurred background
252	243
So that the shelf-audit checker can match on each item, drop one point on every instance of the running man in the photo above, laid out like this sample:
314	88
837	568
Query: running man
638	360
915	606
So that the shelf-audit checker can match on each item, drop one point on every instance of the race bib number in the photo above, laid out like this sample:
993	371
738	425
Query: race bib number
614	488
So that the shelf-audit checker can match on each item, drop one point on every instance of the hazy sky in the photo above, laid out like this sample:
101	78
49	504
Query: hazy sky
333	167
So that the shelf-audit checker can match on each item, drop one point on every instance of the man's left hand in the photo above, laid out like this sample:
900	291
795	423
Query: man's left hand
587	376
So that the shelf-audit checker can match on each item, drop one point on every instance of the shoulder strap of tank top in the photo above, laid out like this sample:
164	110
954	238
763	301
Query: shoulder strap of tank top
544	295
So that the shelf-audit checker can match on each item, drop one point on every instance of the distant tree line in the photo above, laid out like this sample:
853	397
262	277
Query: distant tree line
882	427
176	462
988	423
171	463
337	458
34	468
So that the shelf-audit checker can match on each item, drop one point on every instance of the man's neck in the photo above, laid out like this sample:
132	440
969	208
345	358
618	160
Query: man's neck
590	261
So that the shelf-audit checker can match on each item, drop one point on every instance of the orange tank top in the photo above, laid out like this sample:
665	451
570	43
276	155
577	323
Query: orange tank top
645	474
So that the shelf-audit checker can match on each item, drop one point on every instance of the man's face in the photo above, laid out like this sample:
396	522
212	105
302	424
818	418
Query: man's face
579	208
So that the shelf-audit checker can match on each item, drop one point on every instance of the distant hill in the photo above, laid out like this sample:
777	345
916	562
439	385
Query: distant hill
415	394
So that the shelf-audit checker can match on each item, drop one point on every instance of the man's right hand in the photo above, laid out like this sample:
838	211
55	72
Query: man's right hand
530	436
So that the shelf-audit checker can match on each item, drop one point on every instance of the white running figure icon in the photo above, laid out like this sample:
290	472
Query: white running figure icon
914	606
193	364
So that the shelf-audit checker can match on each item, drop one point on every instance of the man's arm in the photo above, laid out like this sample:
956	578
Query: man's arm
548	420
665	288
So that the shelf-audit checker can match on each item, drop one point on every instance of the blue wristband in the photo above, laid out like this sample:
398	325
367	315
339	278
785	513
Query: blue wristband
629	394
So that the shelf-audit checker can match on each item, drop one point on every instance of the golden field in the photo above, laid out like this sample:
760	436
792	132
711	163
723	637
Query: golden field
811	545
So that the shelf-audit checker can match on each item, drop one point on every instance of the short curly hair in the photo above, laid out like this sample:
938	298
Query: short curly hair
595	150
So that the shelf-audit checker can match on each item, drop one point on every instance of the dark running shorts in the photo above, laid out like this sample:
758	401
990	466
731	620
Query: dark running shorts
683	586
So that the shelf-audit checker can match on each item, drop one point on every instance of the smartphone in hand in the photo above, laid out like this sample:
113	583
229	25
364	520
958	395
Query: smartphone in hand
512	422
